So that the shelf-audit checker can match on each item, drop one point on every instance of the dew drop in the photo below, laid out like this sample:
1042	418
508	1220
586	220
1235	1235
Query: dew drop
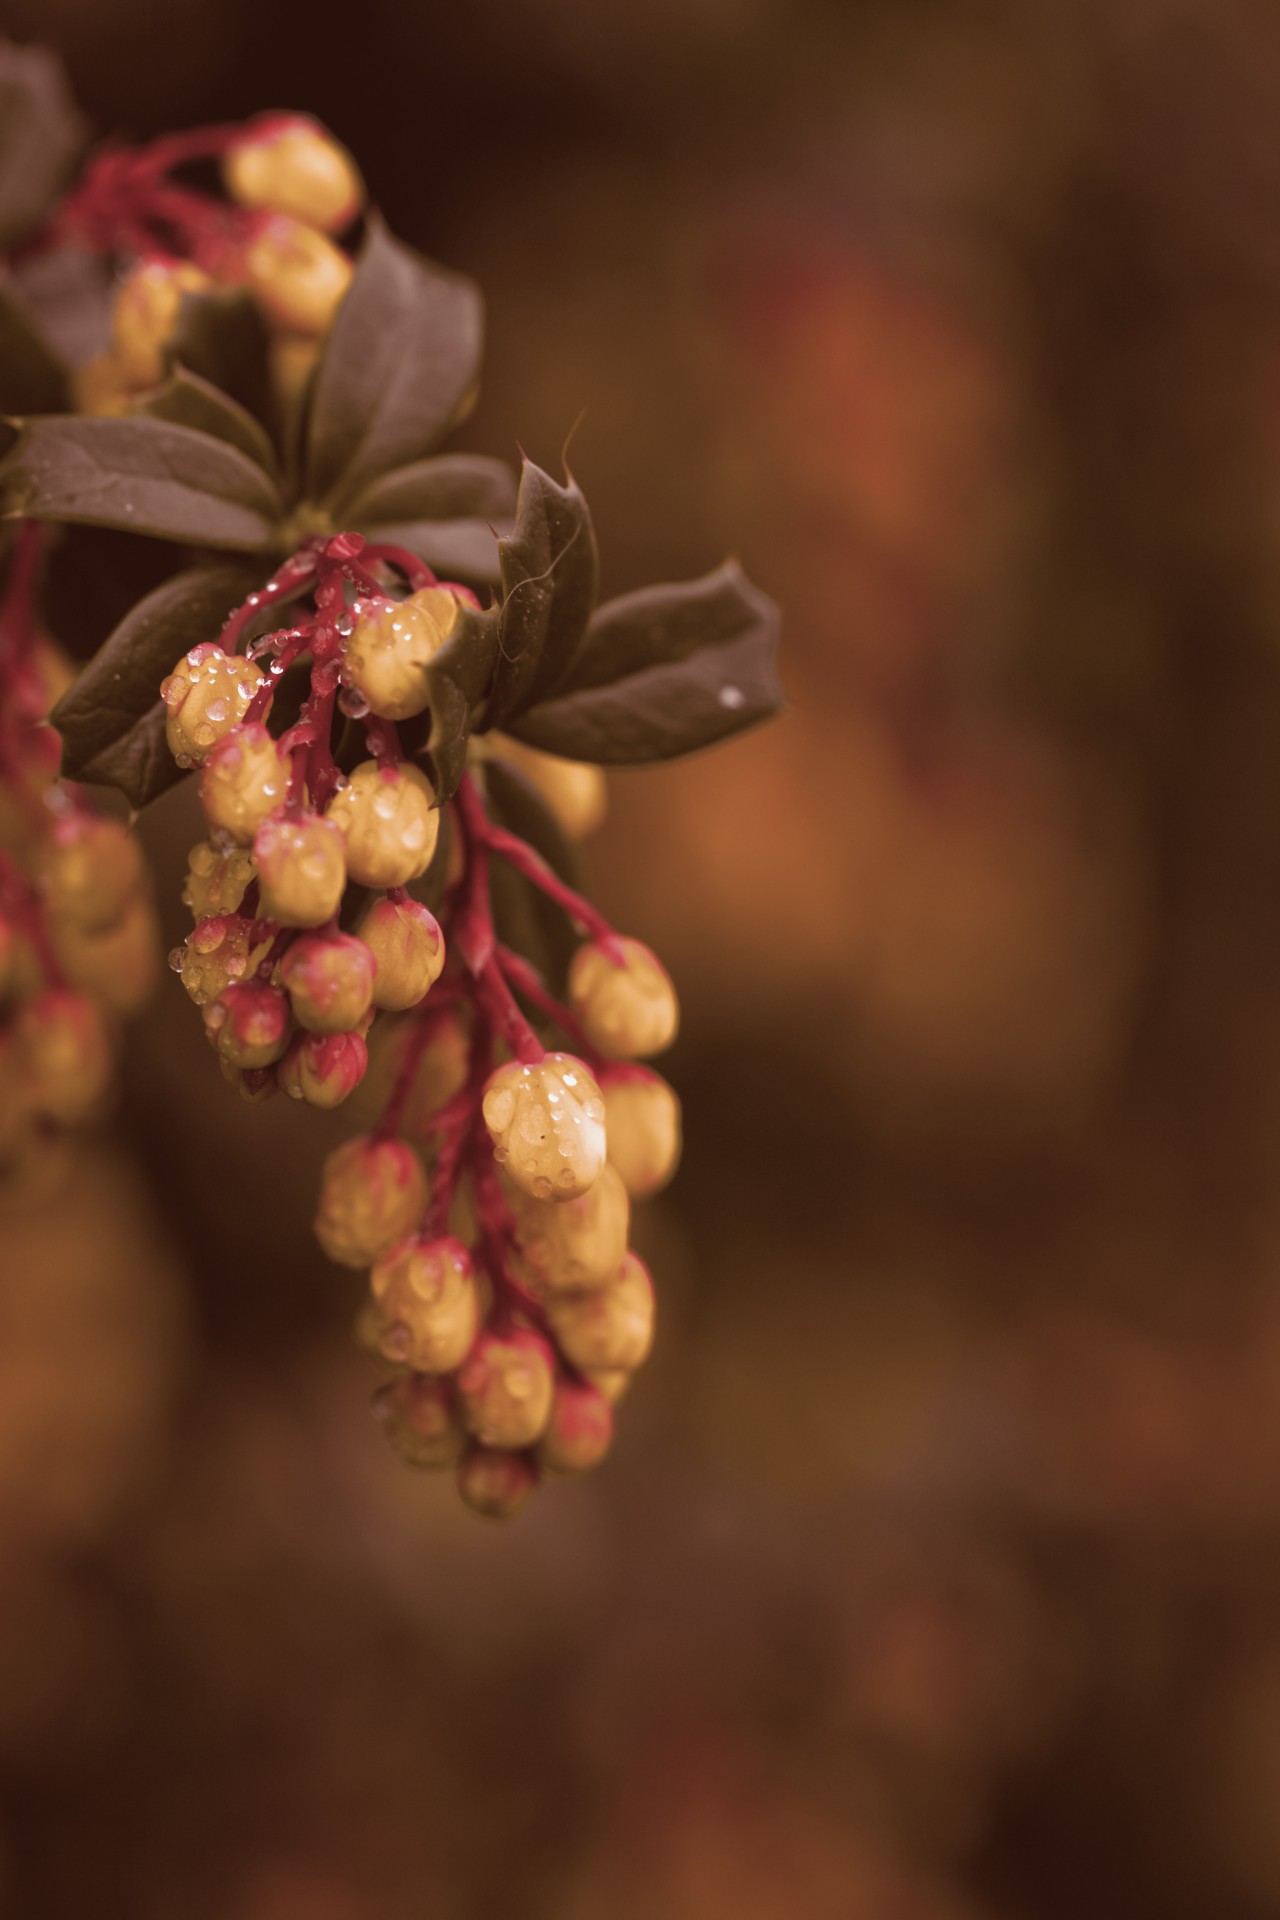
733	698
178	959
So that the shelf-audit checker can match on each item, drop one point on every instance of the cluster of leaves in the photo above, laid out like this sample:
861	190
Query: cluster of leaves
209	463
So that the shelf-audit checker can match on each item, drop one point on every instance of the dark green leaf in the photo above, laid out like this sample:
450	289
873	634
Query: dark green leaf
41	134
399	367
453	486
143	475
69	293
222	338
112	719
460	677
32	379
549	574
455	550
693	695
189	401
667	623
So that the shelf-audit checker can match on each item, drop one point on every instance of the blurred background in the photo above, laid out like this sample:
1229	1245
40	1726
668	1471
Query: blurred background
935	1573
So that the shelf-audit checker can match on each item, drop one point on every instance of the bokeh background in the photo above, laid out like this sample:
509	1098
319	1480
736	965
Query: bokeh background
935	1574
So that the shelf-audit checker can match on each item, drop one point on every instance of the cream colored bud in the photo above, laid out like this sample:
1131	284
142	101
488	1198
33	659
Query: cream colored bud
547	1125
249	1024
214	955
570	1244
372	1193
207	694
428	1302
294	166
88	871
388	820
145	316
623	997
119	966
301	871
391	647
100	388
217	879
574	790
580	1430
245	781
66	1055
329	979
298	275
323	1069
407	945
495	1484
611	1327
506	1388
642	1120
420	1419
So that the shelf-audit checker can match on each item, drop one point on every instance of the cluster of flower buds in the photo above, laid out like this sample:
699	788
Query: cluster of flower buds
291	189
490	1195
78	938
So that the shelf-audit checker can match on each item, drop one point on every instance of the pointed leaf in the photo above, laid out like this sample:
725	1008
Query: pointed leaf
143	475
398	369
41	134
455	550
222	338
32	378
549	577
453	486
667	623
189	401
112	718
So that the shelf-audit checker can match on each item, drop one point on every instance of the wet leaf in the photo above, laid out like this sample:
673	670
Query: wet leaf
549	573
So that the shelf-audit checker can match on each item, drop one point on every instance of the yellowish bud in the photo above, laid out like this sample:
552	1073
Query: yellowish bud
388	820
547	1125
623	997
391	647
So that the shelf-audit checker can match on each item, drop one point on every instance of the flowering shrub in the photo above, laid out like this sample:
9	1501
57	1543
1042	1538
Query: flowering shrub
387	667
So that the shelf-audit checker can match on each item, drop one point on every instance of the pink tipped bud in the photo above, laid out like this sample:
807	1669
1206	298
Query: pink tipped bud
301	870
580	1430
207	694
323	1068
288	163
245	781
372	1193
249	1024
506	1387
428	1303
329	979
419	1416
405	940
623	997
495	1483
547	1125
610	1328
89	871
65	1052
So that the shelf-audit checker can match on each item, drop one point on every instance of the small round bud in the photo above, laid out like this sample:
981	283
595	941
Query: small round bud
245	780
301	871
642	1120
389	822
145	316
88	871
372	1193
66	1055
428	1302
570	1244
407	945
207	694
391	647
506	1387
574	790
249	1024
292	165
623	997
329	980
100	388
217	880
580	1430
120	966
293	359
298	274
323	1069
547	1125
214	955
419	1416
610	1328
495	1484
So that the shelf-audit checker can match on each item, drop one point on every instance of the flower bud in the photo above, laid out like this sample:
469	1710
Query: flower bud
323	1068
245	780
642	1121
329	980
207	694
428	1302
217	880
391	647
547	1125
88	871
301	871
293	359
249	1024
145	316
579	1431
495	1484
419	1416
389	822
506	1387
573	789
100	388
214	955
407	945
292	165
623	997
372	1193
298	274
570	1244
119	967
66	1055
611	1327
